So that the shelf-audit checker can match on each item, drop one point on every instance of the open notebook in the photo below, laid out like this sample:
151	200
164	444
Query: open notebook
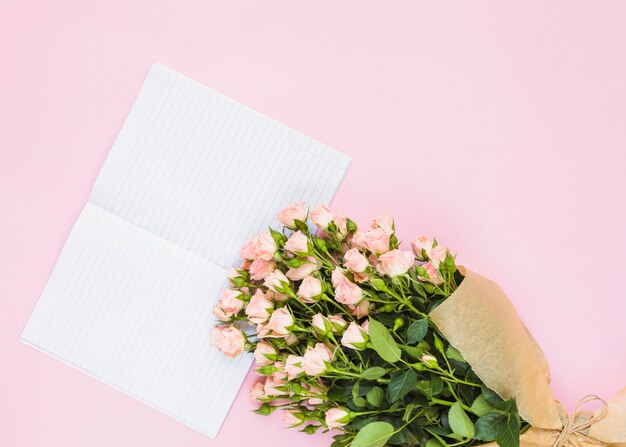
190	177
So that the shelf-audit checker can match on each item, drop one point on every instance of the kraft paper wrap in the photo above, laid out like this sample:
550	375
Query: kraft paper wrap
480	321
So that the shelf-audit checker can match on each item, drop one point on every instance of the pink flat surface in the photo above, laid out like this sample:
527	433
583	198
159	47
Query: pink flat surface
499	127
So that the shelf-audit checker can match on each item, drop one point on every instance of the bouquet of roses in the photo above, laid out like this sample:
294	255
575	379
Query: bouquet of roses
389	346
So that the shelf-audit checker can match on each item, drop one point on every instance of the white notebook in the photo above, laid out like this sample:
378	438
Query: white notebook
190	177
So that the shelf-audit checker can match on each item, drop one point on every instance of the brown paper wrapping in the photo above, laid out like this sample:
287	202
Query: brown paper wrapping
480	321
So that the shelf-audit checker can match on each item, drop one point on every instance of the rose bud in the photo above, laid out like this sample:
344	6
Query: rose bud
259	307
247	250
280	323
265	246
422	247
438	255
276	281
321	325
430	361
294	212
297	243
355	261
376	240
321	217
348	293
228	339
383	221
395	262
316	359
337	417
265	353
427	272
292	418
260	268
310	290
338	323
298	273
293	366
256	393
360	310
355	337
229	305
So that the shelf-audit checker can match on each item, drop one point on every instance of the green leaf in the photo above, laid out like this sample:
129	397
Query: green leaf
265	409
374	434
379	284
438	344
454	354
310	429
489	425
359	402
373	373
436	384
491	397
432	442
460	423
480	407
375	396
355	390
401	385
413	351
383	342
417	331
509	436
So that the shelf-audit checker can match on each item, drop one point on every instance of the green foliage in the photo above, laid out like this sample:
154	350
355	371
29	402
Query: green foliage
374	434
383	342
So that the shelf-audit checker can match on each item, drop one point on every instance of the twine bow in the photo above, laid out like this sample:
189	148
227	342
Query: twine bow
574	426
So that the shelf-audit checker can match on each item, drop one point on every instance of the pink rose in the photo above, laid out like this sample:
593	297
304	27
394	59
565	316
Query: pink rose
383	221
395	262
297	243
280	375
259	307
321	325
292	418
431	271
229	305
358	239
293	212
319	391
316	358
228	339
310	290
260	268
348	293
293	366
422	247
338	277
247	250
361	277
377	240
360	310
265	353
256	392
276	281
438	255
337	417
354	337
342	224
355	261
321	217
298	273
338	323
271	387
276	297
280	322
265	246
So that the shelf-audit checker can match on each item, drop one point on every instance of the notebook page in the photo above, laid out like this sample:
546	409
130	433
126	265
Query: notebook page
135	311
206	172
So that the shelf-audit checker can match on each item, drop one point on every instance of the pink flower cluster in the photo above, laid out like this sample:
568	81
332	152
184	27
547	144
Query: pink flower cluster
299	301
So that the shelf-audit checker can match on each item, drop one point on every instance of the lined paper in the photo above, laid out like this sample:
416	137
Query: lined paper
190	177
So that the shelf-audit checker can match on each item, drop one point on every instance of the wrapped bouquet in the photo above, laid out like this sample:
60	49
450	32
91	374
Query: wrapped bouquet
391	346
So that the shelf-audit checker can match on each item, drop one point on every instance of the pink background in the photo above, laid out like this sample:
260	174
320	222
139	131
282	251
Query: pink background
499	127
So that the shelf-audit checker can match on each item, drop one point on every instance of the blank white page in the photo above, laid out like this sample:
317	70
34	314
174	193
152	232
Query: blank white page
191	175
204	171
135	311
